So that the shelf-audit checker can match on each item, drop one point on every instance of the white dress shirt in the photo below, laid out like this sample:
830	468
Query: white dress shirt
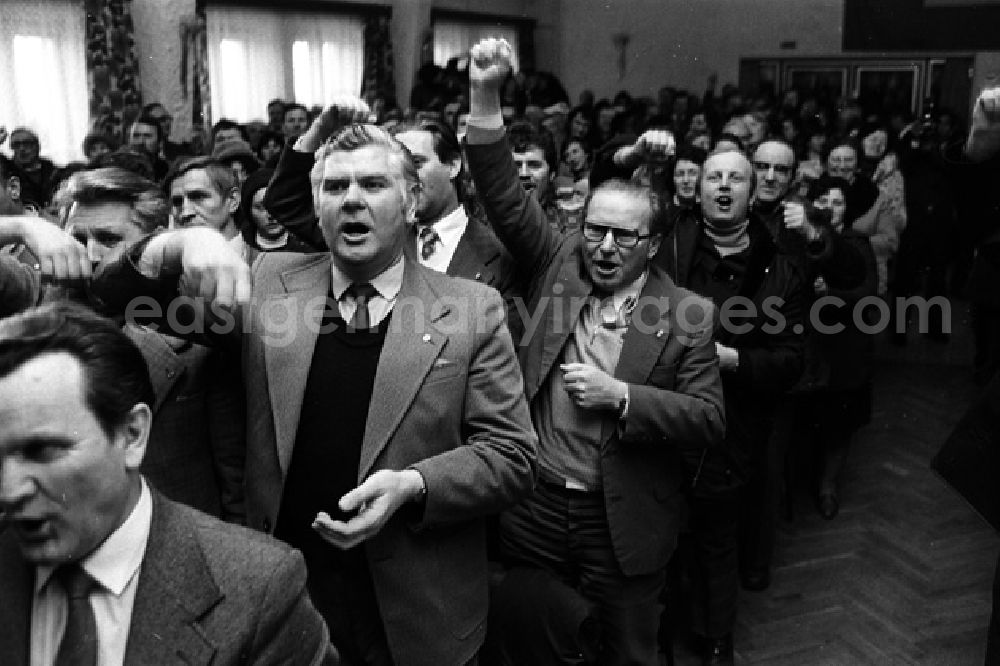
449	229
386	283
115	566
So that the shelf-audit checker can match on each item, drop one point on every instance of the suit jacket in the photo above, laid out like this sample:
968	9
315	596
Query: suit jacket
479	255
668	360
208	593
448	401
196	446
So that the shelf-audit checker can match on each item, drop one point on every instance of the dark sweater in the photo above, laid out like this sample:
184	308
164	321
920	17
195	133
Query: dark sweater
327	454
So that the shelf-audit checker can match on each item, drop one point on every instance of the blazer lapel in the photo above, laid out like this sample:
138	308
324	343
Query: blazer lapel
17	578
562	313
165	368
641	348
299	311
411	345
473	255
175	589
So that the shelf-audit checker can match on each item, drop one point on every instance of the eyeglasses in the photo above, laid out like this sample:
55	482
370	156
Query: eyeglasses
624	238
781	169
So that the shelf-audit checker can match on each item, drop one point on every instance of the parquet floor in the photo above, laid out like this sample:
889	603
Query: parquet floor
903	575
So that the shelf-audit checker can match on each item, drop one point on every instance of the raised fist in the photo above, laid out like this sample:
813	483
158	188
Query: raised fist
490	63
986	112
342	112
655	145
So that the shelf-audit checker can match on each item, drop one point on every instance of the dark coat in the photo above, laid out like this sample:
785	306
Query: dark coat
840	360
770	349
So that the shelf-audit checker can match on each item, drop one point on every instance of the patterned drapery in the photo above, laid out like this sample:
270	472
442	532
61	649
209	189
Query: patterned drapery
379	77
112	66
194	68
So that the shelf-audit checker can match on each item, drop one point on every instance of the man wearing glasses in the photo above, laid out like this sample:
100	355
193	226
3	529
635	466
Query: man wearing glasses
621	377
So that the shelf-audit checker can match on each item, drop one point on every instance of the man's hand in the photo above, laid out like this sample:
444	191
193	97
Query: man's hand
211	269
653	146
795	219
60	256
729	358
592	388
375	500
986	111
343	112
490	63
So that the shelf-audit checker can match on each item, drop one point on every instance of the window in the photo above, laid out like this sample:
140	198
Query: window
256	55
455	37
44	73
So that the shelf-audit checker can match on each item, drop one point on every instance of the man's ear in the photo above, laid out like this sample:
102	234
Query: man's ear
454	168
14	188
133	434
654	246
234	200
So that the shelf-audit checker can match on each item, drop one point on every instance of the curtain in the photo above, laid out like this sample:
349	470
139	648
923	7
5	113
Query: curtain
453	38
44	73
328	56
245	64
379	77
257	55
112	66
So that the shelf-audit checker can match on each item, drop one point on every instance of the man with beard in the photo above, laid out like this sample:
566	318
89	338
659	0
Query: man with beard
621	380
146	136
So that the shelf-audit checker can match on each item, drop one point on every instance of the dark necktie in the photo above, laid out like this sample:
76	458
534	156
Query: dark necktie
361	293
79	642
429	240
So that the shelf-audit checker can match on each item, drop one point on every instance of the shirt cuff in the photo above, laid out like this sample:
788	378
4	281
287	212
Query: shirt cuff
492	121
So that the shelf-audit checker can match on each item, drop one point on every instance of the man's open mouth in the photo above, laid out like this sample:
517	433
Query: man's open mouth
354	231
724	201
605	267
528	185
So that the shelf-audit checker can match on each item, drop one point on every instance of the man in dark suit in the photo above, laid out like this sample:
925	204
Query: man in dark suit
446	238
387	414
621	377
95	565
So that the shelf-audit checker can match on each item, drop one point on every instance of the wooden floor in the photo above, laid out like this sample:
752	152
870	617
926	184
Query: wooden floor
903	575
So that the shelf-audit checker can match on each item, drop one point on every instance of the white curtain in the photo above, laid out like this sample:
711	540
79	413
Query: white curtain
43	67
257	55
453	38
328	56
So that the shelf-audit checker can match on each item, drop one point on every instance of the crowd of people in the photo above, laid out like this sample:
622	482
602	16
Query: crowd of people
491	379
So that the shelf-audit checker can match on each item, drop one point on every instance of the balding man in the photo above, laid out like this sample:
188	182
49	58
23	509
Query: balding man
620	376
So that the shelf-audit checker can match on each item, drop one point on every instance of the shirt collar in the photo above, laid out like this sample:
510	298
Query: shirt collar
629	291
387	283
276	244
116	561
451	227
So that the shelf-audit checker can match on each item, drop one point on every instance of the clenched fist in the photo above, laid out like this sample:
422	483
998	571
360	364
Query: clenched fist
342	112
490	63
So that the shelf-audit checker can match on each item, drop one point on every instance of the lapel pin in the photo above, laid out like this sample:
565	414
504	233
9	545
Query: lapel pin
659	333
479	276
427	337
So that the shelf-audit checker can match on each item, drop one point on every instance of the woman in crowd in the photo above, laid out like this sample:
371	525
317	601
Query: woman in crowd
259	232
834	395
